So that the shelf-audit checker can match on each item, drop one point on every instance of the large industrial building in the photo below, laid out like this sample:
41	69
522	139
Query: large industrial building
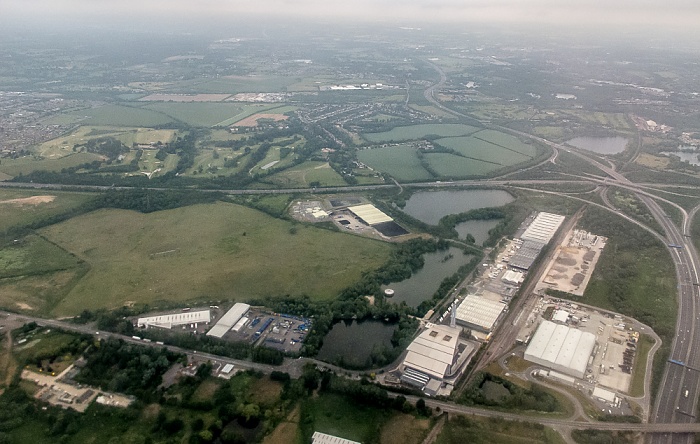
323	438
543	228
174	319
478	313
369	214
433	352
229	320
560	348
535	238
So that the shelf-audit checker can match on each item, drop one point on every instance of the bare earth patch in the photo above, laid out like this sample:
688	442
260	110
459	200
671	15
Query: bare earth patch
34	200
23	306
253	120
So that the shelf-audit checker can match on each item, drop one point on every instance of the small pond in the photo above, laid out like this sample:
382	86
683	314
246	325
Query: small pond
352	342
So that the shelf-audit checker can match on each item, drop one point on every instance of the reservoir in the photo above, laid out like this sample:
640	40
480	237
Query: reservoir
352	342
478	228
600	145
424	283
431	206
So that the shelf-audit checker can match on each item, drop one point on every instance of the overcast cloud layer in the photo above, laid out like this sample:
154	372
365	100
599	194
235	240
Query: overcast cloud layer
668	13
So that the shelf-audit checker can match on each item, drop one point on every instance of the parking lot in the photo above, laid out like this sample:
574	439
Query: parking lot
279	331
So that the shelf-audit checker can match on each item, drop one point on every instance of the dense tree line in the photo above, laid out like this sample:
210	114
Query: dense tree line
122	367
515	397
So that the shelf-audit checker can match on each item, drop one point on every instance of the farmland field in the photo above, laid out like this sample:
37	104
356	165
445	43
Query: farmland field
479	149
451	166
413	132
400	162
207	113
236	84
216	251
118	115
304	174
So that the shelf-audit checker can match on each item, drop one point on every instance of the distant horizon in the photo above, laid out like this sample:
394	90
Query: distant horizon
677	16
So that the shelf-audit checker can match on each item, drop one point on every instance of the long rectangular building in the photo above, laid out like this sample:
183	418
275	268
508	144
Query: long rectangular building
370	214
229	320
174	319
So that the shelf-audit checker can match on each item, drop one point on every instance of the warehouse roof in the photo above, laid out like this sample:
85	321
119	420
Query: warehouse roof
228	320
526	255
169	320
433	351
322	438
561	347
370	214
544	226
478	311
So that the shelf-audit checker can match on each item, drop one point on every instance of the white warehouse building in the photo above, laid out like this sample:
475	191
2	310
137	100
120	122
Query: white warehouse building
174	319
560	348
229	320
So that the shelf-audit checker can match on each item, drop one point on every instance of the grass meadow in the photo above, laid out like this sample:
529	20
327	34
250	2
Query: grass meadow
23	212
119	115
400	162
27	164
35	274
413	132
207	114
208	252
306	173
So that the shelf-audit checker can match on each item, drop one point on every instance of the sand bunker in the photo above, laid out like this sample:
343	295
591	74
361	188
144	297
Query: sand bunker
34	200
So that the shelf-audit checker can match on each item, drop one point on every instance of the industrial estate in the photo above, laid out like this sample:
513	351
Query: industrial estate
315	236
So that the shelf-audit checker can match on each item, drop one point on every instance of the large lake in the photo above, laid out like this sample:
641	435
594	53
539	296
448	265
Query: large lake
431	206
477	228
424	283
352	342
600	145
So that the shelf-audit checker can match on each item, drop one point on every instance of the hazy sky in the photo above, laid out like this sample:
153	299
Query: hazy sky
673	13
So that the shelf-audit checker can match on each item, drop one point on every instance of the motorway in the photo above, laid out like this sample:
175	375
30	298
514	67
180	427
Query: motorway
673	420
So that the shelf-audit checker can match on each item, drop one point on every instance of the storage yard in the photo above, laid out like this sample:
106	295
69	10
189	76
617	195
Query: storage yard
573	264
597	347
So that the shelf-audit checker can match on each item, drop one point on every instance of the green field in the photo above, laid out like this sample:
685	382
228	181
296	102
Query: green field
34	274
335	415
25	211
414	132
207	114
236	84
455	167
27	164
304	174
478	149
206	252
118	115
400	162
473	430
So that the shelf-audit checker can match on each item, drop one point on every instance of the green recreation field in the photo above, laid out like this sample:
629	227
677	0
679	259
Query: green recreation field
119	115
400	161
413	132
206	252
